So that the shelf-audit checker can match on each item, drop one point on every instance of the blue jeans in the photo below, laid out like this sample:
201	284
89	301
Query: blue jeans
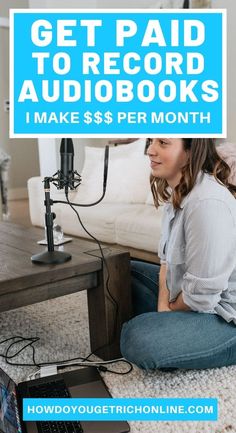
176	339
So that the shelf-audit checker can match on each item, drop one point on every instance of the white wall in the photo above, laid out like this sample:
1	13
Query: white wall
230	5
23	152
5	5
126	4
70	4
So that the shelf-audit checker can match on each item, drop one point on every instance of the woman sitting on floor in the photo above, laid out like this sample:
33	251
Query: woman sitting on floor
185	309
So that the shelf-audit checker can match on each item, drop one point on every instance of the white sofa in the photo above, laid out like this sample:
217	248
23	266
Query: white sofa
126	216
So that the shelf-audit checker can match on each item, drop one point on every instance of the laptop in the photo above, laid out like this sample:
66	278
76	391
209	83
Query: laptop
81	383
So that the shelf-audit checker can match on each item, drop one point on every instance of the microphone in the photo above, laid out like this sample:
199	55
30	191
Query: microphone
66	174
66	177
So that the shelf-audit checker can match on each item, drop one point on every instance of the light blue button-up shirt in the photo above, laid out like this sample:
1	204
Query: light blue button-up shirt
198	244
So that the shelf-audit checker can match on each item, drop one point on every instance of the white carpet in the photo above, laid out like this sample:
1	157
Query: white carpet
62	327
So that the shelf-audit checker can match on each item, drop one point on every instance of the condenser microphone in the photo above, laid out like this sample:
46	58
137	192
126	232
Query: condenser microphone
66	178
66	173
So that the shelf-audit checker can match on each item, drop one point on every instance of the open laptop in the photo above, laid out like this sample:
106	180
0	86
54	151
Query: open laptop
81	383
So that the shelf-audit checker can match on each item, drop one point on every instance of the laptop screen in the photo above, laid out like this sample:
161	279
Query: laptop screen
8	405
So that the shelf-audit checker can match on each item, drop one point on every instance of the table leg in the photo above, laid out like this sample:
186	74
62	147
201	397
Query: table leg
105	319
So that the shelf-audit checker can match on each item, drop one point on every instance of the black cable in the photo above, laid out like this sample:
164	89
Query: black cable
105	172
104	262
80	204
104	369
96	240
20	339
101	366
111	297
31	341
11	338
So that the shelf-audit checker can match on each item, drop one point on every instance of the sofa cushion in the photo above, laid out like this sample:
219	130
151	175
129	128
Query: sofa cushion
128	174
36	201
140	227
149	199
99	220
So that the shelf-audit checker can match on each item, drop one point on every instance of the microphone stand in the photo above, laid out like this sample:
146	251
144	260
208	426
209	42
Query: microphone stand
50	257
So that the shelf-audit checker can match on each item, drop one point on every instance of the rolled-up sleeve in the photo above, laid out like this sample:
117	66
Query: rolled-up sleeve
210	253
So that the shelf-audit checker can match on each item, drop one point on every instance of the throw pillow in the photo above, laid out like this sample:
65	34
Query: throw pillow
128	174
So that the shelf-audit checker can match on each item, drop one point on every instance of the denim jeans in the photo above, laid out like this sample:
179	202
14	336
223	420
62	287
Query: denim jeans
175	339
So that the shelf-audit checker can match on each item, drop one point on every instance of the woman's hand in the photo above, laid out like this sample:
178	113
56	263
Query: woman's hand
179	305
163	296
163	307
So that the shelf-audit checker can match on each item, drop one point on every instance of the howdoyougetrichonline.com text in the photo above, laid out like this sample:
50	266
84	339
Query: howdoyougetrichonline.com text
118	409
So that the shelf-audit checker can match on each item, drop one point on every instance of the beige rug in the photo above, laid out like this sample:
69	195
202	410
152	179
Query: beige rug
62	327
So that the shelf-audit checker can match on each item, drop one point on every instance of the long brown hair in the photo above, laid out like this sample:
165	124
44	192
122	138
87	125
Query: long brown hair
202	156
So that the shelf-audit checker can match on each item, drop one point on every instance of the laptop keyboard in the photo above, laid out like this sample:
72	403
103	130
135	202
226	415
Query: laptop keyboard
54	389
59	427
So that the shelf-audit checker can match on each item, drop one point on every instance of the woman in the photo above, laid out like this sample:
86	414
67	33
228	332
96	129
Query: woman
185	309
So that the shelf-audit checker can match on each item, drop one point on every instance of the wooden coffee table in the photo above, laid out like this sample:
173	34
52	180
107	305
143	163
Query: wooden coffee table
23	283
